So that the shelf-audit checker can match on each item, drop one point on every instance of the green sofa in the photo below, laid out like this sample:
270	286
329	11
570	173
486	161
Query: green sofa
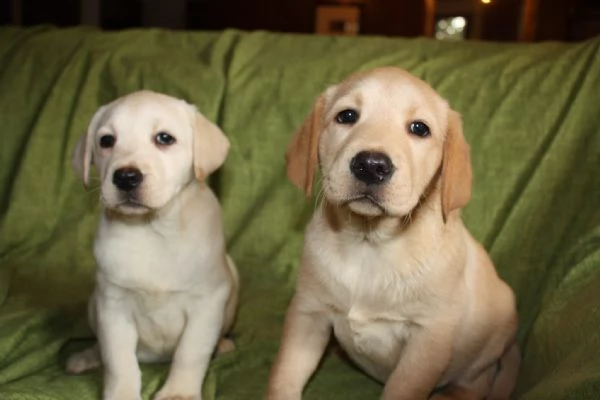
531	114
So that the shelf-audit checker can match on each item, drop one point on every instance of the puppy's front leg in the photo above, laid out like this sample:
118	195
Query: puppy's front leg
195	349
422	364
117	337
305	336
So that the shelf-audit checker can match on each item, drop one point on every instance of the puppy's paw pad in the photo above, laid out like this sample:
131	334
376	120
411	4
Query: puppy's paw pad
83	361
76	365
225	346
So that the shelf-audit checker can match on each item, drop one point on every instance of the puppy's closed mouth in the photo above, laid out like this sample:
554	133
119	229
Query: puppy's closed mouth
366	199
130	205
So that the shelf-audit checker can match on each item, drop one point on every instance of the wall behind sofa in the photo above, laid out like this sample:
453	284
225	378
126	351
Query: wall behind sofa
555	19
379	17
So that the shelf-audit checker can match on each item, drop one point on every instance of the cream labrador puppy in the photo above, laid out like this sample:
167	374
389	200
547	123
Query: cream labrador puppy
165	286
387	264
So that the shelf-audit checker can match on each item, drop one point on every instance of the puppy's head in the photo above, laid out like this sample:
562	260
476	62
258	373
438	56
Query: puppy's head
146	147
382	139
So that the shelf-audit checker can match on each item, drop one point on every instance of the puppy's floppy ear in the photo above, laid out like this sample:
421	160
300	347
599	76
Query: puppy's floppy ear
210	145
456	167
302	153
82	154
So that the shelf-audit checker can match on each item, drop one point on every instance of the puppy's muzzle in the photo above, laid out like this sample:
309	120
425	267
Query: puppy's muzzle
127	179
372	168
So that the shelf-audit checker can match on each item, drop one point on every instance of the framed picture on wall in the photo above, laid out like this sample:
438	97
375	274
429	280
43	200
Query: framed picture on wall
337	20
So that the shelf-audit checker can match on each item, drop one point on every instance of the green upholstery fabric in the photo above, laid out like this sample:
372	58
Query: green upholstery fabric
531	115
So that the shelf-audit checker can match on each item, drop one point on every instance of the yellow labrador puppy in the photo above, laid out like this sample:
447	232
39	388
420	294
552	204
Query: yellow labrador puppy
165	286
388	265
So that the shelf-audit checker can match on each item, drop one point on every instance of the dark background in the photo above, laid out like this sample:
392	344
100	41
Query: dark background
567	20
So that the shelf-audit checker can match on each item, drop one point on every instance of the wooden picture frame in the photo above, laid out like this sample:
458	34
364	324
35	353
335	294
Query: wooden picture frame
337	20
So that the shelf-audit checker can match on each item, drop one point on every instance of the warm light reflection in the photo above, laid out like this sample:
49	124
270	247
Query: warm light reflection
451	28
486	1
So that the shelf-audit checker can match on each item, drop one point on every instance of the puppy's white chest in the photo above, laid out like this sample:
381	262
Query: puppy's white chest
373	342
369	319
140	259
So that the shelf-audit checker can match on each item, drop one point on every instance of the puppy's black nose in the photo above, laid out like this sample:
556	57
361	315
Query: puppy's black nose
127	179
372	168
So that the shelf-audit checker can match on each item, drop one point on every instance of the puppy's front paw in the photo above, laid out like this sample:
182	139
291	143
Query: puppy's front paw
280	397
176	397
83	361
274	394
121	391
167	394
122	395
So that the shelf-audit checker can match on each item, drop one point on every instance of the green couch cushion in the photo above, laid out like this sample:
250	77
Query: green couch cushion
530	114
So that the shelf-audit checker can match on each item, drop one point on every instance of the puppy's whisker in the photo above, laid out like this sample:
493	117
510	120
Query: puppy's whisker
93	189
320	196
320	193
408	218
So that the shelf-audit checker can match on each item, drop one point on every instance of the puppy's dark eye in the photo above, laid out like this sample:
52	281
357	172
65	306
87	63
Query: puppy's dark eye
348	116
419	128
164	139
107	141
